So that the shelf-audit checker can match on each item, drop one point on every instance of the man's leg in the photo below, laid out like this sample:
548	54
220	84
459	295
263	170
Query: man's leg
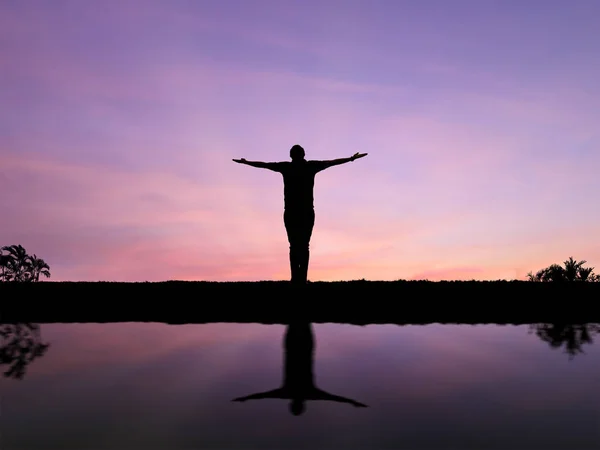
294	264
291	227
308	222
303	269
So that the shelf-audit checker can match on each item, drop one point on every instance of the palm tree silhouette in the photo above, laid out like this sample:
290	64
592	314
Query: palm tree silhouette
16	263
298	377
38	267
4	261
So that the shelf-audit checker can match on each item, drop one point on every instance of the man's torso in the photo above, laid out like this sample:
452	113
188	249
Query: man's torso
299	181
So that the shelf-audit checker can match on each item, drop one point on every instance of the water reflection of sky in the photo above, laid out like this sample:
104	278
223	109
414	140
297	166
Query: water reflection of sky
166	386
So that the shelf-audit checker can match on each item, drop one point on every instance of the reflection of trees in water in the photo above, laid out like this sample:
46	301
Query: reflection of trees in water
20	344
570	336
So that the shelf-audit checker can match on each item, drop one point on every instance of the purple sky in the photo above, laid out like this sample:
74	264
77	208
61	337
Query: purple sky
119	120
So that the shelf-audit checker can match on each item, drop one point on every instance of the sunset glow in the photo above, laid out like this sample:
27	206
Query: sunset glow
119	121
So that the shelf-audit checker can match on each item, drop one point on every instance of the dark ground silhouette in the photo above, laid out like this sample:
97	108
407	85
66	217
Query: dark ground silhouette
353	302
299	213
298	377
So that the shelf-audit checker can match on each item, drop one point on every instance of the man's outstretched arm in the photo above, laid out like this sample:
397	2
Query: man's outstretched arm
275	393
319	394
261	165
337	162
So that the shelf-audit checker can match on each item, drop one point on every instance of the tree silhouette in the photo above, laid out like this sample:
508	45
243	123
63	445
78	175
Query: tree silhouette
38	267
17	265
569	336
573	270
20	344
4	261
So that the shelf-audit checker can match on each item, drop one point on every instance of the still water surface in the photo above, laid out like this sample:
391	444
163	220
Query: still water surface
158	386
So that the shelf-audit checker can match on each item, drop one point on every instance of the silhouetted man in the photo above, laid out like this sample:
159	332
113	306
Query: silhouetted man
299	213
298	379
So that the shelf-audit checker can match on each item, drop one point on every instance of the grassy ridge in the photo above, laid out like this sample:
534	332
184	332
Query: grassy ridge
354	302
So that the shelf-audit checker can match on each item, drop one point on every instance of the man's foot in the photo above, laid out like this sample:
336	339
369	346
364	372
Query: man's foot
298	281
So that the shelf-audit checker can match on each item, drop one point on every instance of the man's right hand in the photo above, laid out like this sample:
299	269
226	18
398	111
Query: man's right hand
358	155
241	161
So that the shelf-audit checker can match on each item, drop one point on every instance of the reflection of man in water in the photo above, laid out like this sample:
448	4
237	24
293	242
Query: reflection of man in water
298	379
299	213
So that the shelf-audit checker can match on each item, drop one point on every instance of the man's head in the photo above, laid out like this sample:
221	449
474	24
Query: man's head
297	407
297	153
